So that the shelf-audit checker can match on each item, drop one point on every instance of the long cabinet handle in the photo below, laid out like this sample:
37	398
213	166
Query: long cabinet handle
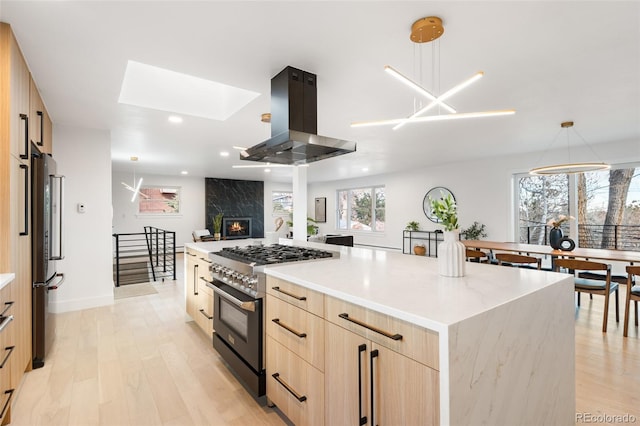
361	349
289	329
9	349
25	117
5	322
286	293
300	398
192	255
370	327
6	404
26	199
41	141
206	260
374	354
205	314
195	280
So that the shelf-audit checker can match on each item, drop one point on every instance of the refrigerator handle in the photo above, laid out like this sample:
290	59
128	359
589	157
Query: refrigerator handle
60	254
58	284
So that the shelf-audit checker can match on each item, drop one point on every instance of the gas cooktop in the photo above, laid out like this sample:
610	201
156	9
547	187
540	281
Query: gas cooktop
276	253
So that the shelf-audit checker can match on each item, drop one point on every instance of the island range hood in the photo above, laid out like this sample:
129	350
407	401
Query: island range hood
294	124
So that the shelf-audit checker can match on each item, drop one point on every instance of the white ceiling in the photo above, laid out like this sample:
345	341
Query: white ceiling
551	61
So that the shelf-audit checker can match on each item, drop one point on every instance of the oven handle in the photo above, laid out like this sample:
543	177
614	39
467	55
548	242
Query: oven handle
247	306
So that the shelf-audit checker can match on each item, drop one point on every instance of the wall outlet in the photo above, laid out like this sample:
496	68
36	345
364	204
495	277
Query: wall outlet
81	208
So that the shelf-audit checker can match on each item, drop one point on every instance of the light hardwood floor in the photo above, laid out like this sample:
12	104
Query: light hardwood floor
142	362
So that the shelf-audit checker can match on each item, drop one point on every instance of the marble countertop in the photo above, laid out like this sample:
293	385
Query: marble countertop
409	288
6	279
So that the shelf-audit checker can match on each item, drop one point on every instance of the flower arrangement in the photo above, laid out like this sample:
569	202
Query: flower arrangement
474	232
559	221
446	211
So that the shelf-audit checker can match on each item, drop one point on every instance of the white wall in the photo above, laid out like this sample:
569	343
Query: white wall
482	188
192	206
83	156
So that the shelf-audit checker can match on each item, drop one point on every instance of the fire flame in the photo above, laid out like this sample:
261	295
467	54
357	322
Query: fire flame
235	227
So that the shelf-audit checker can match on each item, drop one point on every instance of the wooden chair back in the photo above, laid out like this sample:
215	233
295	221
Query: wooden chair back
583	265
518	259
635	297
476	255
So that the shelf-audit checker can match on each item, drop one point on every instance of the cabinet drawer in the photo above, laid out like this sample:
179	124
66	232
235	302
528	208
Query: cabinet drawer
204	312
416	342
298	330
297	389
309	300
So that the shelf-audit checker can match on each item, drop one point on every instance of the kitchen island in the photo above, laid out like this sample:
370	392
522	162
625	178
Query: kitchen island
503	337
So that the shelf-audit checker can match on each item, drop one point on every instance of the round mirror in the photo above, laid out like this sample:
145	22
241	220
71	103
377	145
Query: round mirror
436	193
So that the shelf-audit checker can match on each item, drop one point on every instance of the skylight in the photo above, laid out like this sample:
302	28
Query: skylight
158	88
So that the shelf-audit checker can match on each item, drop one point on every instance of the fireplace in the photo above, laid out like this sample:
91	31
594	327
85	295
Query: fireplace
236	227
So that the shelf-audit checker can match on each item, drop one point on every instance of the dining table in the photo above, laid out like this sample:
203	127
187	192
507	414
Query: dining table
579	252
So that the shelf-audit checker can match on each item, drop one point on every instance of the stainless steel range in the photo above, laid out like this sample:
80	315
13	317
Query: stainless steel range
239	284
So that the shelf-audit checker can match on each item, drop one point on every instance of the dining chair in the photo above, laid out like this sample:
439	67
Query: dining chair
633	293
473	255
518	260
585	285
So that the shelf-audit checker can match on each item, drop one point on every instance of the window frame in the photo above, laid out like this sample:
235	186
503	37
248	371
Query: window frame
372	190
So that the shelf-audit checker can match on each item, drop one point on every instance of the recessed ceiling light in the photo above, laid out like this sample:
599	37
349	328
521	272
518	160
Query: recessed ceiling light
267	170
224	154
365	169
175	119
158	88
184	172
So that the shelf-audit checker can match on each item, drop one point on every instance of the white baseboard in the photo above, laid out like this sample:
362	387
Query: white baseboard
60	306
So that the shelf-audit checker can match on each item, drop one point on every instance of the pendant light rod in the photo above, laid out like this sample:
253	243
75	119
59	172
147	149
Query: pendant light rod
429	118
415	86
455	89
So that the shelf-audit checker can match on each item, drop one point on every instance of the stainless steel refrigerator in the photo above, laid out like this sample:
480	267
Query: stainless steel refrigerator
47	247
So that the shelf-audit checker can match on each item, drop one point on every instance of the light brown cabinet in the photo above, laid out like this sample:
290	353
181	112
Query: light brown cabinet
15	219
367	383
40	126
295	351
7	354
372	368
199	296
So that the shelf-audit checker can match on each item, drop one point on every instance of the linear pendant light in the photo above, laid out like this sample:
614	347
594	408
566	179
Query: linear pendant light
422	31
570	167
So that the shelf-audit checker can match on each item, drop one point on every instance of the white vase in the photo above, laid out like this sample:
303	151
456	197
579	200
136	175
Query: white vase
451	255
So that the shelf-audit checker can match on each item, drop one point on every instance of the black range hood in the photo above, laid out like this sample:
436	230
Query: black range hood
294	123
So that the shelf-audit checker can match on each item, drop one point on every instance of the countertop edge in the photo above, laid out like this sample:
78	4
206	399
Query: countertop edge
6	279
365	303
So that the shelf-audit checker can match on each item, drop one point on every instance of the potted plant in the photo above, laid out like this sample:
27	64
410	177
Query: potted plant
412	226
217	226
474	232
451	252
312	228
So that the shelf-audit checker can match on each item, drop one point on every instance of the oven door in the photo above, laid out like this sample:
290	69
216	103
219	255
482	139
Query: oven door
237	321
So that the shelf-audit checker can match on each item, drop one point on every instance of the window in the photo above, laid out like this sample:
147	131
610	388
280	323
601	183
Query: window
159	200
282	203
607	207
540	199
361	209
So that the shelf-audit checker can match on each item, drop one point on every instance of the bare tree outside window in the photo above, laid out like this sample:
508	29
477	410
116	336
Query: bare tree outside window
608	212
